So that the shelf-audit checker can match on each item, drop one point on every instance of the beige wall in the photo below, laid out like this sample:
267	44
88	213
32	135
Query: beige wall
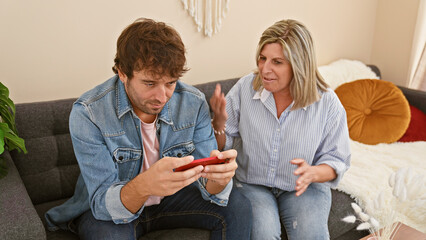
54	49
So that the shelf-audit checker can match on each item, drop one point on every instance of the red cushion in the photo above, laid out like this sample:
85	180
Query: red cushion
417	128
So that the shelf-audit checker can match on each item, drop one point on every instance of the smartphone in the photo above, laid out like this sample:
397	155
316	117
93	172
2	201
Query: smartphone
202	161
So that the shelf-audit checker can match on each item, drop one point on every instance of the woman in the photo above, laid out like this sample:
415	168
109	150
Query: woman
291	135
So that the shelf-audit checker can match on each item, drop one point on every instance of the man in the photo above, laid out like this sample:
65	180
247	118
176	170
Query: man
131	132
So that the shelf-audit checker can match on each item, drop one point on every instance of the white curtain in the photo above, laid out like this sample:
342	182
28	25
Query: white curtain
419	78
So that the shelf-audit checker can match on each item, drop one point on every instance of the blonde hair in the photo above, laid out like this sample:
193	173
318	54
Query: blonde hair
298	47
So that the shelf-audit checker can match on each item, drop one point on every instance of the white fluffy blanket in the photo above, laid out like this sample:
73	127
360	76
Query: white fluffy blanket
371	166
345	70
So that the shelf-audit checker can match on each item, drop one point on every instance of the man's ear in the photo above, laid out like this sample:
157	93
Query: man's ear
122	76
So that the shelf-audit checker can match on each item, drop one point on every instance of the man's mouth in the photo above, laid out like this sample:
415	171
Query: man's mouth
156	105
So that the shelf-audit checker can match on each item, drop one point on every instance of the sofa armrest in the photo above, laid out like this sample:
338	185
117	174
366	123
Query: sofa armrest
18	217
417	98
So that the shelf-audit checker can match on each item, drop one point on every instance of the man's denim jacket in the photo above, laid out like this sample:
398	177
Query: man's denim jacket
107	142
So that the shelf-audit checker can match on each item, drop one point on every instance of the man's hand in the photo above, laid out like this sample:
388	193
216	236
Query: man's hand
221	174
158	180
163	181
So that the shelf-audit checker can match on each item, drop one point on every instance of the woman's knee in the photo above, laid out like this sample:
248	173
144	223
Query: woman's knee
306	214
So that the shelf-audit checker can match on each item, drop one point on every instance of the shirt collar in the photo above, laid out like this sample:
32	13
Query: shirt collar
263	94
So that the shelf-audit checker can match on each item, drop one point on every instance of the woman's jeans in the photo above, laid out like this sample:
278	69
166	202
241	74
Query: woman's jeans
185	209
304	217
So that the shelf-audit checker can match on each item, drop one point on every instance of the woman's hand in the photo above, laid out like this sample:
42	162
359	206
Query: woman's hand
306	175
309	174
218	105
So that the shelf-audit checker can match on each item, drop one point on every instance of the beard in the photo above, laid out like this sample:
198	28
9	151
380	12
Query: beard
148	107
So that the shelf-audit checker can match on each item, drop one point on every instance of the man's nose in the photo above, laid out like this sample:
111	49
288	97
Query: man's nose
161	94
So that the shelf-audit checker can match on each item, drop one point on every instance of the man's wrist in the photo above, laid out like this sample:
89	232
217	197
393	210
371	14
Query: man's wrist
131	195
213	187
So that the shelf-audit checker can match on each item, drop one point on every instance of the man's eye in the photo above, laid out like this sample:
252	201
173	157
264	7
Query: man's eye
171	84
149	84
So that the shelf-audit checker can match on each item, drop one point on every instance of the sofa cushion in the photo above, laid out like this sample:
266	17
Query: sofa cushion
59	234
417	128
377	110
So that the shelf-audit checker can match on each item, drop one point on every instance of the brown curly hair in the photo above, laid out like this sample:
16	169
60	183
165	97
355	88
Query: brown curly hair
150	46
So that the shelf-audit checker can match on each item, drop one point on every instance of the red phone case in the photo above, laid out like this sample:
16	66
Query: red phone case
201	161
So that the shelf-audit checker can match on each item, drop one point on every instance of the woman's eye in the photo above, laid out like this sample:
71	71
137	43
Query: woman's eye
277	62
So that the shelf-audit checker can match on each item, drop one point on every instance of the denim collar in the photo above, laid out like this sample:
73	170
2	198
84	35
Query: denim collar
165	114
122	101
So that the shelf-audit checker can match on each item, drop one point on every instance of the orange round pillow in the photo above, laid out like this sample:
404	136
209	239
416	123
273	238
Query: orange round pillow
377	110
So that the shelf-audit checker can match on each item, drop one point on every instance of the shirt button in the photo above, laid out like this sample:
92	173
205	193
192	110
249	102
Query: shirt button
278	129
221	201
275	150
179	155
272	169
125	220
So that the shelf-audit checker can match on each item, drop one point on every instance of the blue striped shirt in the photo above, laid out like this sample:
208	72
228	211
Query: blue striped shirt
317	133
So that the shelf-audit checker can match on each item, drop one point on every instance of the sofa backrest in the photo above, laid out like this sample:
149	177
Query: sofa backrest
49	170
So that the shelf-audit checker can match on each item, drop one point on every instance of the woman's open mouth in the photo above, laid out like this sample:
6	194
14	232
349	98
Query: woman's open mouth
268	80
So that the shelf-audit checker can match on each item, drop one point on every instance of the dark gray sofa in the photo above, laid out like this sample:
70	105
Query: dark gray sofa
46	176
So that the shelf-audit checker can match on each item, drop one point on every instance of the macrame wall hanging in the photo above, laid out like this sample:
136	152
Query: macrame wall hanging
207	14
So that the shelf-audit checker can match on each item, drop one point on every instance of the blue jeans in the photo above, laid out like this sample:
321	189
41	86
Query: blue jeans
185	209
304	217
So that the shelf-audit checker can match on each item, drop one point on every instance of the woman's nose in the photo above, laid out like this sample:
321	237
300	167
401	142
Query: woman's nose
266	68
